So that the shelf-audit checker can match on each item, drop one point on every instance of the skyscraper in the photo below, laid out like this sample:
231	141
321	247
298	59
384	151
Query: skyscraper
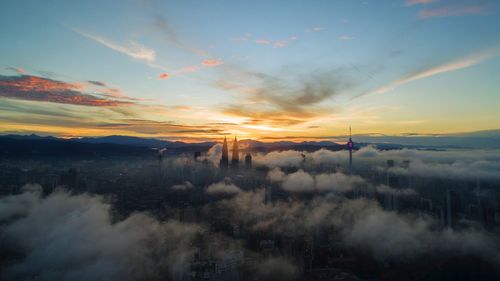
453	207
236	154
224	161
350	145
248	160
197	155
161	168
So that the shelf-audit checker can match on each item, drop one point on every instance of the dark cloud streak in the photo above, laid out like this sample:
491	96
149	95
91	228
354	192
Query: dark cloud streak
285	99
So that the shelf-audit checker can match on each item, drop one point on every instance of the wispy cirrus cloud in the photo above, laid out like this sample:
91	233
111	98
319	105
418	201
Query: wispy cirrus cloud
443	68
191	69
132	49
187	69
345	37
161	24
417	2
34	88
453	11
212	62
280	44
315	29
263	41
117	94
277	102
275	43
245	37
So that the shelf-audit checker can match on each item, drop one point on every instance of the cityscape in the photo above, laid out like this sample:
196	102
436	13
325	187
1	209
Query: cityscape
250	140
344	212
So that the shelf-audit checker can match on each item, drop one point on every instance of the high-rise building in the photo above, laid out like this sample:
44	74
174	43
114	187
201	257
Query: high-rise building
350	146
452	208
248	160
236	154
70	179
224	161
268	196
161	168
197	155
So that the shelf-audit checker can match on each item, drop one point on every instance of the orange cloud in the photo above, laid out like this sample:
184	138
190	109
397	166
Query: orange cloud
191	69
26	87
164	76
27	83
117	94
188	69
212	62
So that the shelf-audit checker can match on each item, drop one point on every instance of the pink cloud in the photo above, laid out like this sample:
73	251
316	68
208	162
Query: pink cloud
191	69
263	41
212	62
164	76
188	69
416	2
293	38
452	11
34	88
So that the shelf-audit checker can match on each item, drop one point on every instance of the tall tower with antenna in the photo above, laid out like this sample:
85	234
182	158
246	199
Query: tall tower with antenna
224	161
236	154
350	146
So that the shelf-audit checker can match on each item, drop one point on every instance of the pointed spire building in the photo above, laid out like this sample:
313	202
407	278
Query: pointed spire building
236	154
224	161
350	146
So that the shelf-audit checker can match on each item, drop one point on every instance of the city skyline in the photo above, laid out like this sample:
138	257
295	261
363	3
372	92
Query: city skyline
195	71
235	140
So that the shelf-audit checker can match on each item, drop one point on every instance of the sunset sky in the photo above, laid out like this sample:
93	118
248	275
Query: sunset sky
199	70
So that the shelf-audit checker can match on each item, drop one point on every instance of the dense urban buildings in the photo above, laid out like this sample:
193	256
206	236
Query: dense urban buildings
344	213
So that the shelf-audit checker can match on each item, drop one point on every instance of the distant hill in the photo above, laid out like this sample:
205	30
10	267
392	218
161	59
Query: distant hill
490	134
254	145
11	145
18	145
48	147
483	139
137	141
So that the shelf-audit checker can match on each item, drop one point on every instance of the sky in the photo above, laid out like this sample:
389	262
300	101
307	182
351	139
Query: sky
268	70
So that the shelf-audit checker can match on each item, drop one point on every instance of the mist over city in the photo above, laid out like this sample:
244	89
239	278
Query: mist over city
261	213
250	140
